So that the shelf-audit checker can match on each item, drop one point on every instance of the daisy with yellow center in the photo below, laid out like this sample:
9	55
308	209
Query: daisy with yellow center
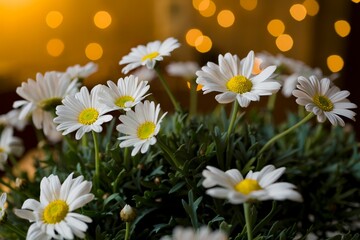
41	97
128	92
234	79
54	216
324	100
255	186
140	126
148	55
82	113
9	144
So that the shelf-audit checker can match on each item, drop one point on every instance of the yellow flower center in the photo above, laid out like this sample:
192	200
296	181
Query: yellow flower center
50	103
323	103
247	186
88	116
2	150
120	102
150	56
55	212
239	84
145	130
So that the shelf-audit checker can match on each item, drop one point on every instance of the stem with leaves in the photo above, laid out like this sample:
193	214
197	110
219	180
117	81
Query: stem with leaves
167	89
280	135
97	160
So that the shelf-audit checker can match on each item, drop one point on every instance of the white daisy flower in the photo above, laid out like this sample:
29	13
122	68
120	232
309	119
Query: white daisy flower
42	96
186	70
255	186
82	72
144	74
233	79
128	92
82	113
2	206
11	118
204	233
325	101
148	55
54	215
140	126
9	144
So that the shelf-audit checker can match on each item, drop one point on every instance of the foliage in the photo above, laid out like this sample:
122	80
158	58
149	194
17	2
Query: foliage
323	162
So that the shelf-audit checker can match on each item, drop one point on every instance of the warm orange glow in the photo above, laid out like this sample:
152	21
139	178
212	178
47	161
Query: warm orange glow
226	18
248	4
356	1
203	44
207	8
312	7
102	19
256	68
342	28
298	12
55	47
204	4
93	51
196	4
54	19
284	42
276	27
192	35
198	86
335	63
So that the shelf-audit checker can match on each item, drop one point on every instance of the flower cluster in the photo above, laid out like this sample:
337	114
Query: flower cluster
181	163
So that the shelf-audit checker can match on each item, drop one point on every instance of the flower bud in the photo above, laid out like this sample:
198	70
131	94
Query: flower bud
128	214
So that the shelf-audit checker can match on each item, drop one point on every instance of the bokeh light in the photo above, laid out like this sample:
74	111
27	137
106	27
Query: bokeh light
93	51
192	35
207	8
203	44
312	7
102	19
276	27
335	63
198	86
55	47
298	12
342	28
284	42
196	4
54	19
256	68
248	4
225	18
356	1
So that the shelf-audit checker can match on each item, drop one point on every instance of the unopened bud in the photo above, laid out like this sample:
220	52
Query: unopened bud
128	214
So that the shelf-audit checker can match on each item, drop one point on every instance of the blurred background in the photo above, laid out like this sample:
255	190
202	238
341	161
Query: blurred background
39	36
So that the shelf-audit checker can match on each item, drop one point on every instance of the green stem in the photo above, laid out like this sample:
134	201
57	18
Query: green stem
97	160
193	97
232	119
248	220
127	233
126	158
270	108
12	228
170	153
84	141
280	135
167	89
